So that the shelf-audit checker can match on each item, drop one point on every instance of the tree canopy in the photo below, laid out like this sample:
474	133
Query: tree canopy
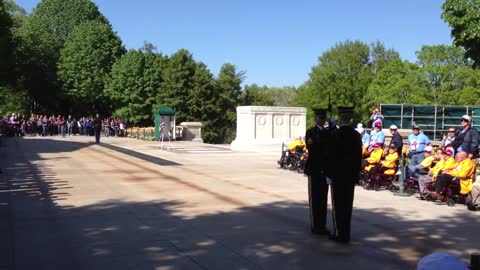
464	19
85	63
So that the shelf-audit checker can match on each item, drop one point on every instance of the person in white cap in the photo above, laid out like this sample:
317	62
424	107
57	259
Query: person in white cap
441	261
467	139
424	166
396	139
365	136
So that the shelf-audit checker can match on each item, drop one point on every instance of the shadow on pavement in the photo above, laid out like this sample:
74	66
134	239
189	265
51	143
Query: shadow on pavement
156	235
152	159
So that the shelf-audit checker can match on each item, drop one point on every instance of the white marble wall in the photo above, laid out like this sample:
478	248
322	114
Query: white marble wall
263	126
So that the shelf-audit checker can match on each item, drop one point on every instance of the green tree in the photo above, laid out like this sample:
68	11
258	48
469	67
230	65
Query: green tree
229	92
254	95
177	74
85	63
463	17
343	72
463	88
39	41
6	44
439	64
19	15
134	84
202	103
399	82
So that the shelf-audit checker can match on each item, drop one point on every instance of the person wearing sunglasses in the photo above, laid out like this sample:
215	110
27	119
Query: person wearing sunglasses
468	138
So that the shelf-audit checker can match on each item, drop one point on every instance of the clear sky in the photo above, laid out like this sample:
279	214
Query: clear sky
276	42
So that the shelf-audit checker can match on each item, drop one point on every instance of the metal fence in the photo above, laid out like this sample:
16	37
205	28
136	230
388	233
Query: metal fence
434	120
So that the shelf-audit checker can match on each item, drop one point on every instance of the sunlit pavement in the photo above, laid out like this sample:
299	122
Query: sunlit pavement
67	203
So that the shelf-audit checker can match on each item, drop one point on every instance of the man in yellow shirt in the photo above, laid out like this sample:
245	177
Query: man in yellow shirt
446	164
388	165
299	142
424	166
374	157
463	172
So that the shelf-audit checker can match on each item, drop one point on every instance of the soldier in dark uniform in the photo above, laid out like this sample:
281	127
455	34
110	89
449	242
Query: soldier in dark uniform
317	139
97	127
347	158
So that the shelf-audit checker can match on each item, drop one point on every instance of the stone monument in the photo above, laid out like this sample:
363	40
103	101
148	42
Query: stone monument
191	131
262	128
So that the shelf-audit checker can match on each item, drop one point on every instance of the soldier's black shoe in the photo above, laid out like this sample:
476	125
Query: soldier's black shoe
323	231
338	239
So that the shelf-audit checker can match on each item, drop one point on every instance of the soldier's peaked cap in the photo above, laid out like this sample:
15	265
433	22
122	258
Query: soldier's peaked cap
320	112
344	110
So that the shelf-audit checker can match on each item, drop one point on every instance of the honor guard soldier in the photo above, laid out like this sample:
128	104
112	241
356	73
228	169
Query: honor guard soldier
347	160
318	139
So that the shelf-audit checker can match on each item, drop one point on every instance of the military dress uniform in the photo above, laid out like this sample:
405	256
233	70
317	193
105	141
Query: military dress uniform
346	169
317	141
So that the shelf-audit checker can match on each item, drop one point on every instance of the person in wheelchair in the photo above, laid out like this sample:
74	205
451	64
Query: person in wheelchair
446	164
297	146
424	166
462	175
473	201
387	166
374	158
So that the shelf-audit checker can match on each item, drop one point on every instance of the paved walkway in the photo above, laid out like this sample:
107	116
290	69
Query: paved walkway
66	203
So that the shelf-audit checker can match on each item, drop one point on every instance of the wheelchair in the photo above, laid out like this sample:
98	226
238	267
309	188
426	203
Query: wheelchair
379	180
293	161
451	193
410	184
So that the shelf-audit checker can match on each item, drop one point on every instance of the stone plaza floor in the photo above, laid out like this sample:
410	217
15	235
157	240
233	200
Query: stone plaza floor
67	203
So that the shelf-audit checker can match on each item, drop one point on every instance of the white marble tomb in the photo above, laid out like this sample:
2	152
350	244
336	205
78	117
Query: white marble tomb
266	127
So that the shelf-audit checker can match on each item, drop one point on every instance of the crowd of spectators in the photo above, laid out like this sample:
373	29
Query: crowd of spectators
44	125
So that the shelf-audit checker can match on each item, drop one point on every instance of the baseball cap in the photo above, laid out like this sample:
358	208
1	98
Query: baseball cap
378	124
378	144
392	145
393	127
428	148
447	152
466	117
441	261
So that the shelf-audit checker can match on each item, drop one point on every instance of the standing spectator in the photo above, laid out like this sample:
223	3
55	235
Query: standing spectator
396	139
376	117
121	127
70	125
417	141
467	139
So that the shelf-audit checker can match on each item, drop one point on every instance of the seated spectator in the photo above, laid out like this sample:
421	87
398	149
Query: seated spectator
446	164
463	172
298	142
374	158
475	202
424	166
389	165
365	139
448	138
